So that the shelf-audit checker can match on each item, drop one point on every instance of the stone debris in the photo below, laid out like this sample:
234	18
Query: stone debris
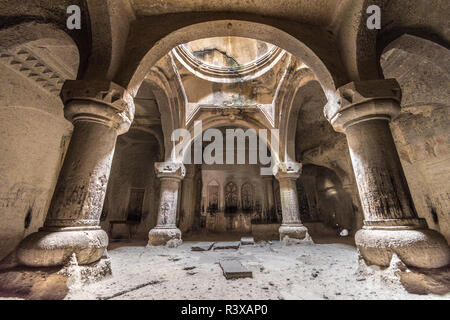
202	246
189	268
247	241
173	243
227	245
287	241
233	269
174	259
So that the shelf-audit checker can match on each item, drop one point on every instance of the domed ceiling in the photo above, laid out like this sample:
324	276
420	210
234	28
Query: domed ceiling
228	52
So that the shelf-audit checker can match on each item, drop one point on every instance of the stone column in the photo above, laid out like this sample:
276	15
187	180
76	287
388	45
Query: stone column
287	175
170	174
188	199
391	224
99	111
268	186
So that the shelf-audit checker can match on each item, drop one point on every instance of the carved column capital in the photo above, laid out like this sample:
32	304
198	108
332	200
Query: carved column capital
362	101
287	170
98	101
174	170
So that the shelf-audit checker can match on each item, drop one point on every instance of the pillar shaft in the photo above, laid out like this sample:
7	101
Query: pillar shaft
187	203
81	187
166	230
167	212
289	200
391	224
269	196
381	182
287	175
99	111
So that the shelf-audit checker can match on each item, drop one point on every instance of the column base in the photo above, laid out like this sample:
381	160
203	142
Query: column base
293	231
160	236
49	247
421	248
54	283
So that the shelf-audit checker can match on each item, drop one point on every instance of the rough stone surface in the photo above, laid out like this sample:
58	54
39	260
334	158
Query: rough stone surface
202	246
293	231
161	236
52	283
289	268
227	245
416	248
55	248
247	241
240	64
233	269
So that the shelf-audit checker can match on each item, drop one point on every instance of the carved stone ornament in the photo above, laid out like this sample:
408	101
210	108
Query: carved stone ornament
170	170
98	101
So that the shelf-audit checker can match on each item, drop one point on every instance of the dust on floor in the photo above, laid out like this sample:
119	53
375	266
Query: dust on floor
302	271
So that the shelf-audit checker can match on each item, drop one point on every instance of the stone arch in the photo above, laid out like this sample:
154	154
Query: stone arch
157	136
289	103
313	53
327	200
424	57
218	122
170	105
357	43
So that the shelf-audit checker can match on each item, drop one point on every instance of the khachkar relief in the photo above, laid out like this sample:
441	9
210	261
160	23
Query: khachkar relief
231	198
165	213
99	111
287	175
166	231
391	224
247	197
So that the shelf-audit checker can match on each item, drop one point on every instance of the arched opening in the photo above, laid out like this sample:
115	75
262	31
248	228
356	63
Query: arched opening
231	82
301	76
136	70
326	208
133	188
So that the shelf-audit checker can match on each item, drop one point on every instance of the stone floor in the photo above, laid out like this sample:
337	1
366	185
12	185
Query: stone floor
302	271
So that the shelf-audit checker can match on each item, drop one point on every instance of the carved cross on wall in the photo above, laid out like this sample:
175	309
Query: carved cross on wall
165	208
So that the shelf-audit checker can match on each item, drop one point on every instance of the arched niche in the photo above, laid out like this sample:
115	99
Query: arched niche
247	197
231	197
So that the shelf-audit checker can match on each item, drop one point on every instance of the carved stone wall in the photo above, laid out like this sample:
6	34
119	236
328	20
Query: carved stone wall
243	187
34	136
